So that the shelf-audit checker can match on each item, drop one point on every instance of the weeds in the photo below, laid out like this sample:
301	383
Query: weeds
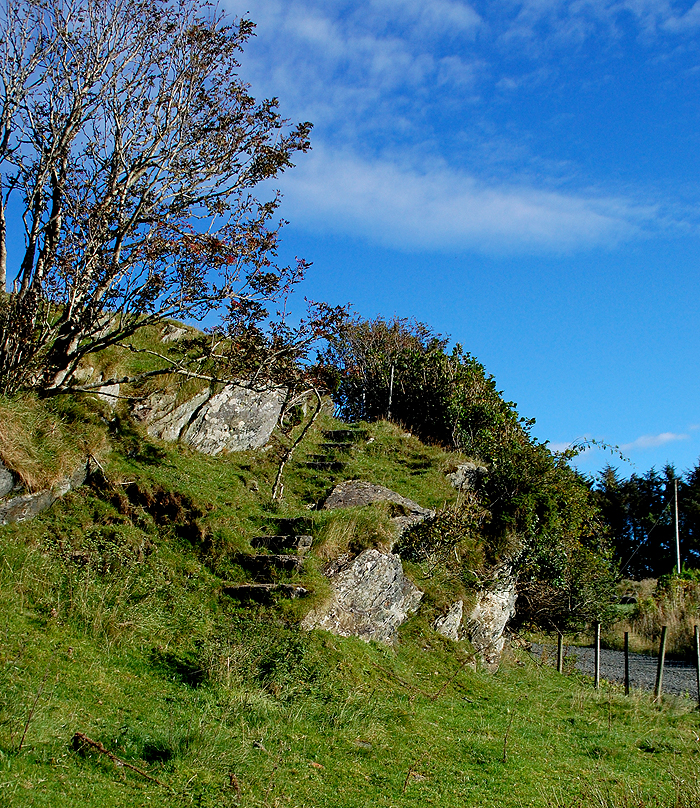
235	706
673	602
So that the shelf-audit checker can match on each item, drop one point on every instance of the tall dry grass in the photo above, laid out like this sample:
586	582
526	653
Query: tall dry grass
351	530
44	442
672	602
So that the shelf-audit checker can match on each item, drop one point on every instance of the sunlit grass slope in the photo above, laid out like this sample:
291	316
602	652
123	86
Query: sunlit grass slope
113	624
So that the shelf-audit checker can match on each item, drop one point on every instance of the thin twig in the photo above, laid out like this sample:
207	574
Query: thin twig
36	699
442	690
411	770
92	458
80	740
278	487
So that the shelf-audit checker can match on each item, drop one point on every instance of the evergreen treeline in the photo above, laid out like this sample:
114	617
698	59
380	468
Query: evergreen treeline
639	513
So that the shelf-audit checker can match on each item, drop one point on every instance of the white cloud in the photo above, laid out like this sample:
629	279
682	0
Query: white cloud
652	441
371	77
542	24
684	22
433	16
436	208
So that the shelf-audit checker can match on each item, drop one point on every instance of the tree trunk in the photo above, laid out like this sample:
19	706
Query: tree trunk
3	249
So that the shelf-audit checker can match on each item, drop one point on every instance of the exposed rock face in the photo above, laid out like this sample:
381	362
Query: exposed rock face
20	509
7	481
466	476
164	418
232	420
109	394
235	419
494	608
354	493
450	624
172	333
371	599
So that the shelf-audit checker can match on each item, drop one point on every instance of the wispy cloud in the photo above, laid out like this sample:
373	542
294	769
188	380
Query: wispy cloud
544	24
408	207
653	441
430	16
404	149
683	22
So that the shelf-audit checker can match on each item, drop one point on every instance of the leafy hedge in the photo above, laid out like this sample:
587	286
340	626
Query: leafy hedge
540	511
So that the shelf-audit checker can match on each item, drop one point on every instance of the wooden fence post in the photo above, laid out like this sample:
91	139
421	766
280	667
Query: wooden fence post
597	655
660	667
627	663
560	653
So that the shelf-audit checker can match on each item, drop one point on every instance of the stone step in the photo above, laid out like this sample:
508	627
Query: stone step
266	565
326	458
325	465
299	544
335	447
263	593
345	435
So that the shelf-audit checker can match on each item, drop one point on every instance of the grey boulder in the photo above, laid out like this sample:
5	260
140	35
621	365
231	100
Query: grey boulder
7	481
494	607
355	493
27	506
232	420
371	599
466	476
450	624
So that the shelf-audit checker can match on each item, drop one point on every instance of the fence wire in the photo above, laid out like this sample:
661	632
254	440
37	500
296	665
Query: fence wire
680	678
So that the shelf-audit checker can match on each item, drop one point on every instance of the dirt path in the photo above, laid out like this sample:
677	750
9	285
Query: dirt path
679	677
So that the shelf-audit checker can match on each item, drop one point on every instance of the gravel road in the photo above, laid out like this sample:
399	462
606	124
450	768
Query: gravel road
679	677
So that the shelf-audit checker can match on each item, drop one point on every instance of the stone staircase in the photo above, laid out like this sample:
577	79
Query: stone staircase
335	450
280	554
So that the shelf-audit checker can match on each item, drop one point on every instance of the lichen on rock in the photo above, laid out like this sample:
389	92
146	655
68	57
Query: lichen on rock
371	598
450	624
466	476
233	420
495	605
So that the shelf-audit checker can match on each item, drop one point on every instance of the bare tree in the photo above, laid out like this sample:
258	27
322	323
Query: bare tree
132	146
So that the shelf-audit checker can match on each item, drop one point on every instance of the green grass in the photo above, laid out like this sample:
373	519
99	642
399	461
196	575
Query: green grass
113	624
322	721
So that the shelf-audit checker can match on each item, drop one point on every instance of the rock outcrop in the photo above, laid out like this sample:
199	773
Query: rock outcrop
7	481
172	332
371	599
466	476
450	624
355	493
27	506
494	607
232	420
109	393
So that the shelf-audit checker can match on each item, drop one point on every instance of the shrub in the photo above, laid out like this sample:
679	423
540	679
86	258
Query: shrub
449	541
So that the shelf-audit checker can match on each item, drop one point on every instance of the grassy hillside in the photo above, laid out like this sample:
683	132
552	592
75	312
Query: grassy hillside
113	624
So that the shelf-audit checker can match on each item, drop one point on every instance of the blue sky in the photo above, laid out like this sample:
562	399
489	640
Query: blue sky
522	176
